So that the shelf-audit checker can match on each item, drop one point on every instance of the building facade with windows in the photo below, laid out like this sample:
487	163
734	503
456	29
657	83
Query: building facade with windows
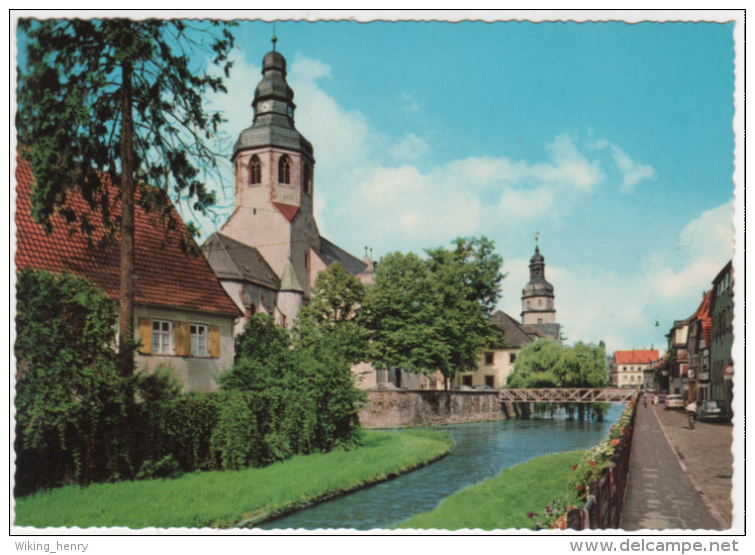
722	335
627	368
497	362
183	318
698	349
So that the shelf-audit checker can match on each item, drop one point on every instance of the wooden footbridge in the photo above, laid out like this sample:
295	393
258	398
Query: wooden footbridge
558	395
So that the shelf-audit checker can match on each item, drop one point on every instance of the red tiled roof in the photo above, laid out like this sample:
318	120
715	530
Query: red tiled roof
704	308
636	356
703	314
166	275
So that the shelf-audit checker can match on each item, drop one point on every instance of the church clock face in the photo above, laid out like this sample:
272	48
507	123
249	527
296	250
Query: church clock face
265	106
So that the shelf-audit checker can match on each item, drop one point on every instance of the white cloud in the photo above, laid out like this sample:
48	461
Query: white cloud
632	172
525	204
711	235
409	147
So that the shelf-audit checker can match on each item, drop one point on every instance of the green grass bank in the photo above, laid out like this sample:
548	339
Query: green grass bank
504	501
222	499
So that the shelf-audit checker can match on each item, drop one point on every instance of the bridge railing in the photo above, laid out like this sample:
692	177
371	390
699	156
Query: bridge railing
566	395
605	501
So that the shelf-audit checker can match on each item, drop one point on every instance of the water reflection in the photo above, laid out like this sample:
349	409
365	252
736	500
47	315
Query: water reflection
482	450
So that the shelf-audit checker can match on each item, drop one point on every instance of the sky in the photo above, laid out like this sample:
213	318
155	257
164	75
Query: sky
613	142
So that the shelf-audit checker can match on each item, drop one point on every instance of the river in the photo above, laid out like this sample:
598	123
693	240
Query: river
482	450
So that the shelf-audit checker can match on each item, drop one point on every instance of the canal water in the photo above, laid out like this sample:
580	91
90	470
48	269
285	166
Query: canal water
481	451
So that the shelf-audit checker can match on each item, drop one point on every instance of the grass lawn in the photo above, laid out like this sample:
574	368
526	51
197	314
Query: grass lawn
221	499
504	501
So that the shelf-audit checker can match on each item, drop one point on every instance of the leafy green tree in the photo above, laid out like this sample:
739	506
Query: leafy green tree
331	316
69	396
402	311
481	270
428	315
547	364
125	99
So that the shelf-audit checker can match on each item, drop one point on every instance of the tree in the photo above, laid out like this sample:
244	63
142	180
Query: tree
331	316
124	99
69	401
547	364
401	312
482	270
428	315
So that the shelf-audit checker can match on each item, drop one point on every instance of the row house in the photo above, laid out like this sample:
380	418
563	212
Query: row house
722	335
183	317
627	368
677	362
698	347
700	362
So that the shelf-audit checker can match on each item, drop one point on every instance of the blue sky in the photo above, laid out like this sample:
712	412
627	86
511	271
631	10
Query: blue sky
613	141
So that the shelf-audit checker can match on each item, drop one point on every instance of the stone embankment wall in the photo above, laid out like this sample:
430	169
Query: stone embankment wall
396	408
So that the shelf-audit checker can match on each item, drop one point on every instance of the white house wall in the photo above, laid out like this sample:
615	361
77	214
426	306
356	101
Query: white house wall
196	373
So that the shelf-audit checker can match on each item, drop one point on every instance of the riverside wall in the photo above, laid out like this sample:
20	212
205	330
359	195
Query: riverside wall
397	408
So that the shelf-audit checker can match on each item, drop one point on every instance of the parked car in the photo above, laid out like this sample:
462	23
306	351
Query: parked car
662	399
483	387
713	409
675	402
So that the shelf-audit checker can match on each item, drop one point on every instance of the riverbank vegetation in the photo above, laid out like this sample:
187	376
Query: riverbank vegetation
513	499
78	421
222	499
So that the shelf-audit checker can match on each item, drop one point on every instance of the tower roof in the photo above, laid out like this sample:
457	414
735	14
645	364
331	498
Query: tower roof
274	107
537	286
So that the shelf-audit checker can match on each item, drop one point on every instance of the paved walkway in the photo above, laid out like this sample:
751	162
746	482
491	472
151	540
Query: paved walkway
673	471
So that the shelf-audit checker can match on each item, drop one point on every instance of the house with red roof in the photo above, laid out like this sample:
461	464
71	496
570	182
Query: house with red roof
183	317
627	367
698	349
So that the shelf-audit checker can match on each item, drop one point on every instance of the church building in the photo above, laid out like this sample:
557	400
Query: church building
269	252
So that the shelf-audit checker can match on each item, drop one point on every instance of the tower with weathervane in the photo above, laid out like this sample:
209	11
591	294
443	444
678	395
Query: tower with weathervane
269	252
274	180
538	299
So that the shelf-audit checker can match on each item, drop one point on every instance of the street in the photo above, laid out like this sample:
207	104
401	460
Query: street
679	478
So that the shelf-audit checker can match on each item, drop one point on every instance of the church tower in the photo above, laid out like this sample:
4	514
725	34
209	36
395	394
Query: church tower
274	180
538	308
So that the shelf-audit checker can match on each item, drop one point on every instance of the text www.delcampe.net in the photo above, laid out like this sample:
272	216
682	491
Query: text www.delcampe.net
662	546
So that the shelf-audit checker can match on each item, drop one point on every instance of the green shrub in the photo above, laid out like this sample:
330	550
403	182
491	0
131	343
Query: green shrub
70	402
235	436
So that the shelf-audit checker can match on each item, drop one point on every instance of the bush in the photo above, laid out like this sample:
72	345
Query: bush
78	421
236	435
70	403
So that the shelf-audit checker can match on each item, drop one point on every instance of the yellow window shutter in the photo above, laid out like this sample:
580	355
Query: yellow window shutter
183	339
214	341
145	335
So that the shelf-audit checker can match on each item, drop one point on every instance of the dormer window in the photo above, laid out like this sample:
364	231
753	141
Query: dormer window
307	179
255	171
284	170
